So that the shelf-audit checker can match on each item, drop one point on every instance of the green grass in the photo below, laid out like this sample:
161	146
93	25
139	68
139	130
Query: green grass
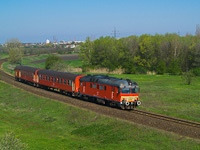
165	94
74	63
45	124
168	94
2	55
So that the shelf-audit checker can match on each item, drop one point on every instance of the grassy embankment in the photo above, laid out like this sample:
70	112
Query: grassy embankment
165	94
45	124
27	61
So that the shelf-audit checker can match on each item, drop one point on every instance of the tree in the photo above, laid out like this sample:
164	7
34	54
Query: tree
161	68
51	60
174	67
15	50
86	53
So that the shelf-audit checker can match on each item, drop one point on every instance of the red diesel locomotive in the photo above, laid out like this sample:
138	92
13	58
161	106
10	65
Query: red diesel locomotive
103	89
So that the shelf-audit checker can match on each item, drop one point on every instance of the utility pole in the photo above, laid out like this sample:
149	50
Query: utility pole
115	33
198	30
54	39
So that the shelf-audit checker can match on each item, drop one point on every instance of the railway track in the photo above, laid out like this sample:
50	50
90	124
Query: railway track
179	126
167	118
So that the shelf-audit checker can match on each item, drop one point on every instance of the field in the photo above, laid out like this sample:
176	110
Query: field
165	94
45	124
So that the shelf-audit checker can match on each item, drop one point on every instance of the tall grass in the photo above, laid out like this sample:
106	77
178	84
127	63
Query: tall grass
10	142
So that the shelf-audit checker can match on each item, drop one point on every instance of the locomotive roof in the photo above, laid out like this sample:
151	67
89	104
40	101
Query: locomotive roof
26	68
102	79
66	75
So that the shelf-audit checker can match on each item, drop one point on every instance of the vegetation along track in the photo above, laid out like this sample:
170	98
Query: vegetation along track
179	126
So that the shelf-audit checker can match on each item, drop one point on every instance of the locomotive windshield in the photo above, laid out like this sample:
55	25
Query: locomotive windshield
134	90
129	90
125	90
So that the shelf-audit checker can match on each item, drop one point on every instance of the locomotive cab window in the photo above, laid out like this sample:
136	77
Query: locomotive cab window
125	90
134	90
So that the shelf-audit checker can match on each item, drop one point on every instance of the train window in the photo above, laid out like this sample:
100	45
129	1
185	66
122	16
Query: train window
46	78
58	80
125	90
65	81
101	87
51	79
55	80
80	83
90	85
70	82
118	90
134	90
105	88
43	77
61	81
97	86
94	86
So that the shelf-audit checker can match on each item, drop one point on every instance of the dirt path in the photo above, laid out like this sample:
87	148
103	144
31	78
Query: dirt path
64	57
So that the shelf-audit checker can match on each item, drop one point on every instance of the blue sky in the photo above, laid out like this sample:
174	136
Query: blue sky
38	20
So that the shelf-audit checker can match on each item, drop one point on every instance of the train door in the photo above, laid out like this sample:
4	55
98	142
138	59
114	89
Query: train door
112	92
73	86
84	87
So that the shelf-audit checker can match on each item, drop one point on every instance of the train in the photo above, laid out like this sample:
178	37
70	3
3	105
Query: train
115	92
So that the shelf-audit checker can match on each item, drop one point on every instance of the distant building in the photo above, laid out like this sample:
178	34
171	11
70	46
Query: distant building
72	46
62	42
47	41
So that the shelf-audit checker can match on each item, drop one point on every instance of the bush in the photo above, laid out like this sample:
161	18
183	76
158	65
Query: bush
10	142
187	77
161	68
196	71
51	60
141	70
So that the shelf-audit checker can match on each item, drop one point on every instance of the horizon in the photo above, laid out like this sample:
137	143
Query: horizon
36	21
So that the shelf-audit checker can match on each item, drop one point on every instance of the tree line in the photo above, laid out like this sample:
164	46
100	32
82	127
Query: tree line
169	53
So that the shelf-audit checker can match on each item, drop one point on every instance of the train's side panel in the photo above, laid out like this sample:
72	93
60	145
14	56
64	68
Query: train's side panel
55	82
59	80
25	73
100	91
